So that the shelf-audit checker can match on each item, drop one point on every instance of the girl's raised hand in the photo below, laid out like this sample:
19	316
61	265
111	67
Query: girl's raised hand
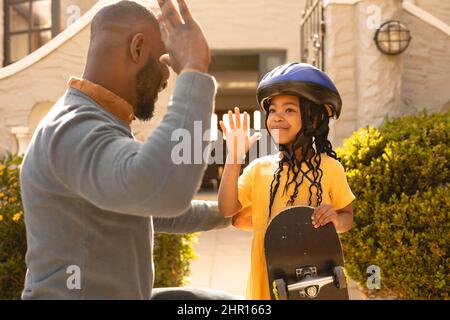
237	137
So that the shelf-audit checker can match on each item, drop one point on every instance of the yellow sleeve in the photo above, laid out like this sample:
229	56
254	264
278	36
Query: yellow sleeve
243	219
340	193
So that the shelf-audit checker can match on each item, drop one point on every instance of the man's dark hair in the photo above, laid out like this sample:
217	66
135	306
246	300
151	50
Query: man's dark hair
122	11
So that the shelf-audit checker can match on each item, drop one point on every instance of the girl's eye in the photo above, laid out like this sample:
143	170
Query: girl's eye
271	110
290	110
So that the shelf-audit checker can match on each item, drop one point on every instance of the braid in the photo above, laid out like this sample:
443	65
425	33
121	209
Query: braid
274	189
317	174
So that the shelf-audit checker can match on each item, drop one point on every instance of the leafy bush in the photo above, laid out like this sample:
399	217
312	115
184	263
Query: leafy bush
172	253
12	230
400	176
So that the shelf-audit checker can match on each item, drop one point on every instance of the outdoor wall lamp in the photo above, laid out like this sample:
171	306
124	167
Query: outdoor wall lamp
392	37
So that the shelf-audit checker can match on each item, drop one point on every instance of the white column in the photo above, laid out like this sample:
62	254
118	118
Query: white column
23	136
379	76
340	65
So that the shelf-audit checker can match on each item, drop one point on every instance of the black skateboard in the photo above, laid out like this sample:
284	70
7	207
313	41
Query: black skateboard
303	262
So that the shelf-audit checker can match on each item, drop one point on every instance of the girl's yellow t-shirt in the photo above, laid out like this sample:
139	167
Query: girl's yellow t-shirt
254	197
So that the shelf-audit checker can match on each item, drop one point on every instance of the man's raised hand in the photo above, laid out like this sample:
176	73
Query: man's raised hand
183	37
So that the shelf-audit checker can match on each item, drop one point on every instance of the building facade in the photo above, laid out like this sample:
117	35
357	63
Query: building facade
44	42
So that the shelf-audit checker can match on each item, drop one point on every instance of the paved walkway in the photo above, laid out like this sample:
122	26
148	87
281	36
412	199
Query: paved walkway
224	260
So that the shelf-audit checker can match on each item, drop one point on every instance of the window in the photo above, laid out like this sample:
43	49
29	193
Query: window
270	60
29	24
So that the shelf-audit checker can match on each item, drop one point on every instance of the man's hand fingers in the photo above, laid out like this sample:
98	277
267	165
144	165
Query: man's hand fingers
186	43
170	14
185	12
162	27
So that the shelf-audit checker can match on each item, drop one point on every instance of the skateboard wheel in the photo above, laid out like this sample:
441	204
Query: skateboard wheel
340	279
312	291
279	289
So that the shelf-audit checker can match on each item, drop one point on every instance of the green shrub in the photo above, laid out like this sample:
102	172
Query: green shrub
172	253
400	176
12	230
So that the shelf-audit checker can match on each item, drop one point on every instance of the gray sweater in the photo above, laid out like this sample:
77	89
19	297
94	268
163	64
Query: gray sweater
93	196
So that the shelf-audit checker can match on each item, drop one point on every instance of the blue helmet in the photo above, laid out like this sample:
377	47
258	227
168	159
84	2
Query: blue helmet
300	79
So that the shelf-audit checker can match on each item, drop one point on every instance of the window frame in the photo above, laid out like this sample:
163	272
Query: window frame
54	26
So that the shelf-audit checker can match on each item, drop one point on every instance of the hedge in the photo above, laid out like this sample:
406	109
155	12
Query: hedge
400	176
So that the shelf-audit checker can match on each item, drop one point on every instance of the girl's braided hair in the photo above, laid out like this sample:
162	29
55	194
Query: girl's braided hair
312	141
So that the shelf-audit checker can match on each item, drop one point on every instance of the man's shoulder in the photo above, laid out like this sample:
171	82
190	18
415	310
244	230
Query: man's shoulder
76	109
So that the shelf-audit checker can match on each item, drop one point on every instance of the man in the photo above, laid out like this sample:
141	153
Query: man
92	194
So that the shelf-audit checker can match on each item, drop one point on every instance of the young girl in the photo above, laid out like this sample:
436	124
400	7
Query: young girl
298	100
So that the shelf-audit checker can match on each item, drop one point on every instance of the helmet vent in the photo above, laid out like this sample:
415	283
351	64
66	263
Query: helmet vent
287	68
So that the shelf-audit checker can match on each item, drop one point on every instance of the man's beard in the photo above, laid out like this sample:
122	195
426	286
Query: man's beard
148	82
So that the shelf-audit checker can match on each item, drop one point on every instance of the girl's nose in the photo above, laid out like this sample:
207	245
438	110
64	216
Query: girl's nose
277	116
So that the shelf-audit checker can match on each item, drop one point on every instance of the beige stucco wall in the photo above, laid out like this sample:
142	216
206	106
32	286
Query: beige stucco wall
439	8
1	32
426	76
251	24
374	85
70	9
41	82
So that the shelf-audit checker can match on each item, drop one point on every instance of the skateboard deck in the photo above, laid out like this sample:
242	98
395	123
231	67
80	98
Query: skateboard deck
303	262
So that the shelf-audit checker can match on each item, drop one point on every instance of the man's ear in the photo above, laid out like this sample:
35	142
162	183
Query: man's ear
137	48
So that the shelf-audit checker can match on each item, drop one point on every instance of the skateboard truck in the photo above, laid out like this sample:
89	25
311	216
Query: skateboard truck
309	283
